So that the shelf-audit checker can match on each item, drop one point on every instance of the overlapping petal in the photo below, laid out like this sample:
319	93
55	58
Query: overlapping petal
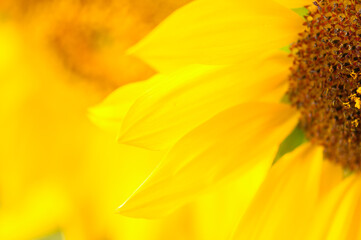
337	216
218	32
295	3
332	175
286	198
110	114
234	141
184	99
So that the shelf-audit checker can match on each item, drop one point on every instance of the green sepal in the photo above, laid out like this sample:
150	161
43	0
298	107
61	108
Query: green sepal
291	142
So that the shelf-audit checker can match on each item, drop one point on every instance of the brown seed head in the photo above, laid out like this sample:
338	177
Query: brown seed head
325	80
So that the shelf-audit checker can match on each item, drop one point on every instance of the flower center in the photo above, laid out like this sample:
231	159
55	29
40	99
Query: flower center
325	80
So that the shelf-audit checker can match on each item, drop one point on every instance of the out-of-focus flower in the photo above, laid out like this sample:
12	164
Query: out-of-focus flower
57	171
215	106
90	37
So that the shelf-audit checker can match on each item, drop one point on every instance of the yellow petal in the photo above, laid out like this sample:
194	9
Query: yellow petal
338	215
189	97
110	114
9	45
232	142
42	212
354	231
286	197
332	174
228	202
294	3
218	32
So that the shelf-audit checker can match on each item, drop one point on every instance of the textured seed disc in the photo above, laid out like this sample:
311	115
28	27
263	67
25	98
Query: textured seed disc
325	80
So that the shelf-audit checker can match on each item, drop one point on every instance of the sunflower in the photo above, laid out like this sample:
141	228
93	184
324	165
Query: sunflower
267	88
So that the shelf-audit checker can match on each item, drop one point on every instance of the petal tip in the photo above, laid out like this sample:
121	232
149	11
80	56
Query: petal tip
93	114
120	209
123	138
133	50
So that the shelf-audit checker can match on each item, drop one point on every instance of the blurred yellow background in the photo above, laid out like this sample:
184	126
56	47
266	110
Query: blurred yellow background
60	176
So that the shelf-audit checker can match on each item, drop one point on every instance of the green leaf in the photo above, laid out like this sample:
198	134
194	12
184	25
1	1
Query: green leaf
286	49
303	12
347	172
54	236
286	99
292	141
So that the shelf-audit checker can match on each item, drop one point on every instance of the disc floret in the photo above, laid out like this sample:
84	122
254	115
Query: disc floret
325	80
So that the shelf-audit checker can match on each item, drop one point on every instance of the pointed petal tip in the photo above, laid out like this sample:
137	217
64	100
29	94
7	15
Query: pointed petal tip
132	212
131	51
120	209
123	138
125	210
127	137
123	141
94	112
105	118
93	115
120	139
91	111
135	50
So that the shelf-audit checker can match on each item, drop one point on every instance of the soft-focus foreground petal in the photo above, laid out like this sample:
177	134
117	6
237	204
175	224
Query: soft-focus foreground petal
286	197
234	141
338	214
47	144
42	212
218	32
48	140
182	100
